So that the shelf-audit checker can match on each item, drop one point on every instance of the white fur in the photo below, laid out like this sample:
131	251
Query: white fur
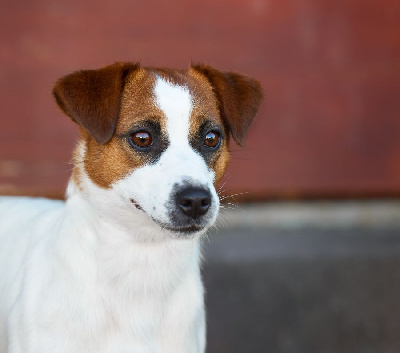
95	274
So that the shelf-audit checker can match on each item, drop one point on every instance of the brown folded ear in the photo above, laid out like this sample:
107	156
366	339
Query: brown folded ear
239	98
92	98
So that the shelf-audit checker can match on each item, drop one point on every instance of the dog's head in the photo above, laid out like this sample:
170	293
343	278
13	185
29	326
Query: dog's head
154	142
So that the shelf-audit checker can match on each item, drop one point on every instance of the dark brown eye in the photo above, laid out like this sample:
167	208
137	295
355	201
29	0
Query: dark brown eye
141	139
212	139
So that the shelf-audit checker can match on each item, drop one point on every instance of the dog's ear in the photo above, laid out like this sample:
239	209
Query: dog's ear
239	99
92	98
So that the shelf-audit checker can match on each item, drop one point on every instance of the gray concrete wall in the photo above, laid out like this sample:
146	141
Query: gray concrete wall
318	287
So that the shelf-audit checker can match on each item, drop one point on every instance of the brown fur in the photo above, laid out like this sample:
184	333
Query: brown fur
108	163
239	99
109	102
206	106
92	98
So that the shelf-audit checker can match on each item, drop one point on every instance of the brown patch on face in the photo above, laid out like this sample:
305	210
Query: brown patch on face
106	164
221	162
239	98
206	110
138	102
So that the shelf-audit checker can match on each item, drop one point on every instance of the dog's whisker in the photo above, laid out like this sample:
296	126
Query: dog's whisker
221	188
232	205
215	226
207	236
233	195
230	208
222	220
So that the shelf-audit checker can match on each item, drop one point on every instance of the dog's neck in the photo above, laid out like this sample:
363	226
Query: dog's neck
134	253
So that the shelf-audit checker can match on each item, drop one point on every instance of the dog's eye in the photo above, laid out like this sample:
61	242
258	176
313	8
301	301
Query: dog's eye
141	139
212	139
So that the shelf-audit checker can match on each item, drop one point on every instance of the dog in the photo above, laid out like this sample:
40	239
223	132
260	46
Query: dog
116	267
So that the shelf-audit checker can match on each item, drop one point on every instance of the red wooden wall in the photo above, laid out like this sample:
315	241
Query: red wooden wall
330	125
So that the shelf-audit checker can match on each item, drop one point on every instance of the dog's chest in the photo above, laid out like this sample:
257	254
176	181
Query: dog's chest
137	291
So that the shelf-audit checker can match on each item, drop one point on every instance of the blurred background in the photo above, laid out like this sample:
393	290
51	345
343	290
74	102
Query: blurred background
308	259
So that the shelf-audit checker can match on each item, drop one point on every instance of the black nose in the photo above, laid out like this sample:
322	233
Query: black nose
194	202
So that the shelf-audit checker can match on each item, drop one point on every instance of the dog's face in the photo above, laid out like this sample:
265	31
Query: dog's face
155	141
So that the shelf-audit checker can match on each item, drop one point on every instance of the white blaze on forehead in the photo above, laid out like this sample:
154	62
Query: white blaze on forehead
176	103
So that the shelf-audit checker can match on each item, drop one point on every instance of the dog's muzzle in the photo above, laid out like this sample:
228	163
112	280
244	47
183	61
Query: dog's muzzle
190	209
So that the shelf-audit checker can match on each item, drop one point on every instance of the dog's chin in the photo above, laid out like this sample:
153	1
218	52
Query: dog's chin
189	231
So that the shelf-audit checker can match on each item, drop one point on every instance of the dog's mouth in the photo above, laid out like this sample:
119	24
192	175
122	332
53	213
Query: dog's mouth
186	230
134	203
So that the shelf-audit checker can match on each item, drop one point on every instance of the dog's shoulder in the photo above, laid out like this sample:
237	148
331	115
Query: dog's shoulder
12	204
17	212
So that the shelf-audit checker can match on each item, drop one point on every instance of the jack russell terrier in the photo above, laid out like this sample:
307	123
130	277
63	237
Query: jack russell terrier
116	267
